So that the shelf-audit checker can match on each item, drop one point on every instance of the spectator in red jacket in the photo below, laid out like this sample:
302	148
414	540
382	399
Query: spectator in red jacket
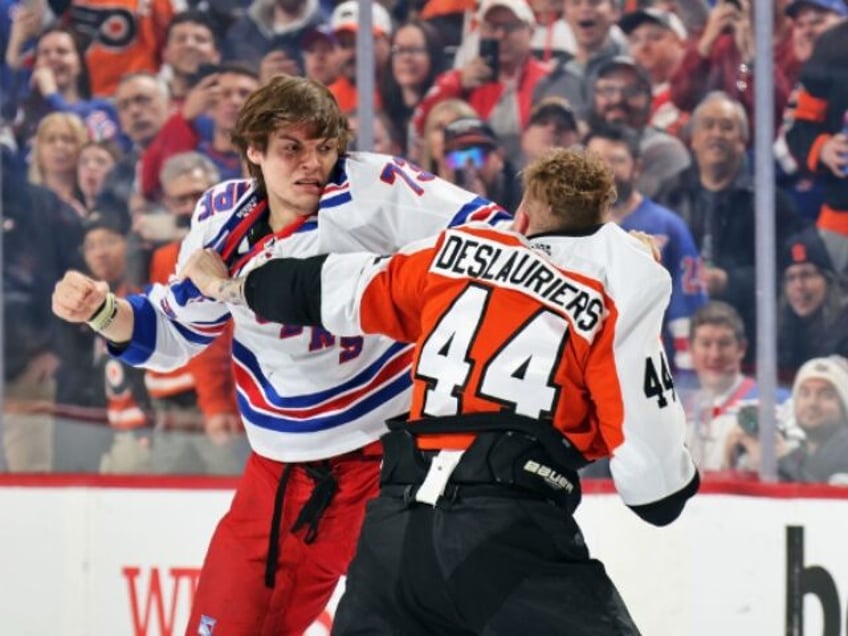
220	96
722	58
503	99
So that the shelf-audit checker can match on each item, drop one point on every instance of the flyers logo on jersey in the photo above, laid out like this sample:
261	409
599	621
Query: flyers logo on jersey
520	269
112	27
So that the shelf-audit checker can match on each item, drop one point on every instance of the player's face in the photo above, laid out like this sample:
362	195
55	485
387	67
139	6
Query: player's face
296	167
716	355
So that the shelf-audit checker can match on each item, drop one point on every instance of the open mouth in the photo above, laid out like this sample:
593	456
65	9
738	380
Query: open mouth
586	25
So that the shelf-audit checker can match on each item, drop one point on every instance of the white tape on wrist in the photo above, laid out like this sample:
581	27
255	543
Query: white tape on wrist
105	315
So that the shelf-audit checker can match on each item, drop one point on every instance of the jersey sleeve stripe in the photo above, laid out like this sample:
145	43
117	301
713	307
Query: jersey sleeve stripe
246	363
335	201
143	341
480	209
192	336
277	423
257	396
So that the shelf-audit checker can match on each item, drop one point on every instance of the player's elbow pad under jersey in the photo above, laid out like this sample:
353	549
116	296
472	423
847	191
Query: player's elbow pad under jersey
667	509
286	290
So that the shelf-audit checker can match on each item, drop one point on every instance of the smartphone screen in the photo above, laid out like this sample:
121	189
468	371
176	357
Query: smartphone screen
489	52
474	156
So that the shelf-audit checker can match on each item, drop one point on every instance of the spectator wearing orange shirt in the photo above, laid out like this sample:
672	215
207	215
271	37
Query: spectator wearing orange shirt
345	23
197	426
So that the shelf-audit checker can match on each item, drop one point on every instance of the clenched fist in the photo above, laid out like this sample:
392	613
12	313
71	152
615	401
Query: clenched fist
76	297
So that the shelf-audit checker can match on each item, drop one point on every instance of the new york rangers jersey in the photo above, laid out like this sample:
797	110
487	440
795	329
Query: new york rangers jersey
558	327
304	393
683	261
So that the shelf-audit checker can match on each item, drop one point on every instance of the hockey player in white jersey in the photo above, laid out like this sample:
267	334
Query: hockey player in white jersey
533	355
313	404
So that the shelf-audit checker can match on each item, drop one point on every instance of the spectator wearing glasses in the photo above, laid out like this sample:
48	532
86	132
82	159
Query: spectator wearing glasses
621	95
477	162
503	96
143	104
813	314
417	58
197	427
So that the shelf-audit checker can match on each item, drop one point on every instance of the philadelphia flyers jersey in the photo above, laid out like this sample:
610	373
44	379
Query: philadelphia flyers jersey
559	327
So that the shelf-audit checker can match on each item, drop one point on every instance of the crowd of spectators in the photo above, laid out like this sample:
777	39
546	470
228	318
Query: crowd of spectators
116	119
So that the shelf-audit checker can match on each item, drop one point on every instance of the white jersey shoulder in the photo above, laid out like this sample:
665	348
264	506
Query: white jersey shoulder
383	203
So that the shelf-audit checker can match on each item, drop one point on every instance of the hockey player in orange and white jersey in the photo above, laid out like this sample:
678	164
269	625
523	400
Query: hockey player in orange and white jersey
533	356
313	404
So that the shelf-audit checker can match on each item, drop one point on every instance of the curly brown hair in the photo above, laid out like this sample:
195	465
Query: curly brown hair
287	101
578	186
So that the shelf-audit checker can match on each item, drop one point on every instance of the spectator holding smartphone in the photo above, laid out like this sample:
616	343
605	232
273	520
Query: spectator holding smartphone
820	409
502	96
477	161
190	44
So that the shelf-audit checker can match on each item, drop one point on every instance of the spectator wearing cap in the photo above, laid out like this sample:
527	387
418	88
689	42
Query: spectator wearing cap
321	55
477	162
632	210
818	140
345	24
429	149
119	389
715	196
269	34
808	20
417	59
503	96
813	313
721	57
597	39
621	96
552	124
656	40
820	409
190	42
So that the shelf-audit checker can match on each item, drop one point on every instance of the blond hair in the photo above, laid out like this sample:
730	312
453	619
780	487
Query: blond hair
453	105
576	185
69	121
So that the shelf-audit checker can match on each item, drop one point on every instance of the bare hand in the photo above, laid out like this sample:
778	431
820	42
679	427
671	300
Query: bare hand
649	242
26	23
276	63
222	427
721	19
201	98
834	155
715	280
476	73
76	297
44	80
207	271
